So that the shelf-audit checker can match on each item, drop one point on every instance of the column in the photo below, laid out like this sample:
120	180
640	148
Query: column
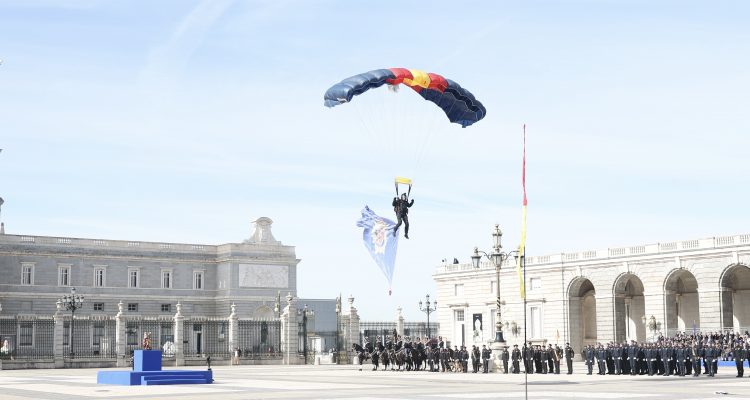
59	331
233	324
353	323
399	322
179	355
345	344
290	332
121	338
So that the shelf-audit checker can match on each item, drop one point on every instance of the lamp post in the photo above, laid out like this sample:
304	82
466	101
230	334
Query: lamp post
497	257
427	310
304	332
72	302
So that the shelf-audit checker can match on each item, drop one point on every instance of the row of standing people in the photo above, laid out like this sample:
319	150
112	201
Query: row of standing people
666	357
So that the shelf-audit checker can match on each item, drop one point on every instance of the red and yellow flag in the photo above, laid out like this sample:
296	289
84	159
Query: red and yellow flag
522	246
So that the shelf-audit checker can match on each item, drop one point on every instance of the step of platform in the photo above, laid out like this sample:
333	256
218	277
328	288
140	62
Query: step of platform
177	381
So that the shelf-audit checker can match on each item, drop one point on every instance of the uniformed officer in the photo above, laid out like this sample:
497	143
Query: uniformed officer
616	352
528	359
505	356
543	358
485	358
558	355
569	354
709	353
680	353
739	358
550	359
697	350
474	359
589	357
515	357
601	358
633	357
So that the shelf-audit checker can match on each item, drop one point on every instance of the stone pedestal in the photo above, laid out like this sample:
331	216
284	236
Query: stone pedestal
497	351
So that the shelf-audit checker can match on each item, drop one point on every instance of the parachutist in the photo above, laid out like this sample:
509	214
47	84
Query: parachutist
401	207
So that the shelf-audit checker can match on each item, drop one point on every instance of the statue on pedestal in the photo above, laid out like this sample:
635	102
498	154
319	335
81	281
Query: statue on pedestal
146	340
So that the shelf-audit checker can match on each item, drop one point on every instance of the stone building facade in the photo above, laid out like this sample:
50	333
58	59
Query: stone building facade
150	278
615	294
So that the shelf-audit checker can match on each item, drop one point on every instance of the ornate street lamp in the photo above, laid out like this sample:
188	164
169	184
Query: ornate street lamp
427	310
497	257
72	302
304	332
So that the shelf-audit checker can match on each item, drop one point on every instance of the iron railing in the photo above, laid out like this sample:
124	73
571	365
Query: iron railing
161	331
206	337
27	338
259	339
92	338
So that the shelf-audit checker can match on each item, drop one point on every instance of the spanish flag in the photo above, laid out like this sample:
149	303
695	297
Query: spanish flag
522	246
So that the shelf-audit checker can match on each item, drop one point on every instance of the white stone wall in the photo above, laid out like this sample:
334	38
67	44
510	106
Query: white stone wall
719	266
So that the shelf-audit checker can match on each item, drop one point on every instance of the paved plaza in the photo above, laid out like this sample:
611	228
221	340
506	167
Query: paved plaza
347	382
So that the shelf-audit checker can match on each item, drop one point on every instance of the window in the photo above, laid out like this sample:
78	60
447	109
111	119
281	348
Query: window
535	284
535	316
492	287
458	290
98	306
459	315
134	278
132	306
198	280
166	279
63	275
27	274
99	277
166	308
98	333
25	334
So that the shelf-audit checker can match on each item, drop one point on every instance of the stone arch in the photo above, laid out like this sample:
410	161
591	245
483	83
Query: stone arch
735	297
629	308
681	302
264	312
582	313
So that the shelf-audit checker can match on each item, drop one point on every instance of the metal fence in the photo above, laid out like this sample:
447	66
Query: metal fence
27	338
385	330
419	329
161	333
91	338
259	339
206	337
373	330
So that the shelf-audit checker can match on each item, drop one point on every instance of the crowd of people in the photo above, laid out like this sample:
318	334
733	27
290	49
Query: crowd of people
682	355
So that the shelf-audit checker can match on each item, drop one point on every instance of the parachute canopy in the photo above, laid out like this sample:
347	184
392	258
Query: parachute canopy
459	105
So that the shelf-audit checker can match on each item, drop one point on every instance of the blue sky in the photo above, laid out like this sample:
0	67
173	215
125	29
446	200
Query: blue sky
183	121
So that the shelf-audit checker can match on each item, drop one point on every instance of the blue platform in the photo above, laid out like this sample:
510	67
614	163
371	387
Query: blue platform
147	371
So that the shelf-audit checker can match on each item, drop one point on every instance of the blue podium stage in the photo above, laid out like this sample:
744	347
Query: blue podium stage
147	371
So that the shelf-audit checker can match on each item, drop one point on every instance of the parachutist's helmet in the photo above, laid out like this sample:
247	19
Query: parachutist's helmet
403	196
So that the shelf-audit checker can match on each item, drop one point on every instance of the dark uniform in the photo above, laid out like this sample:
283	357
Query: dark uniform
475	359
486	359
515	357
601	358
633	358
569	353
739	359
550	359
589	357
401	207
557	356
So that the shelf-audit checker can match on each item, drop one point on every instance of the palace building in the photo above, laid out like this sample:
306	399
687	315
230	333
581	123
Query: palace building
149	278
616	294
